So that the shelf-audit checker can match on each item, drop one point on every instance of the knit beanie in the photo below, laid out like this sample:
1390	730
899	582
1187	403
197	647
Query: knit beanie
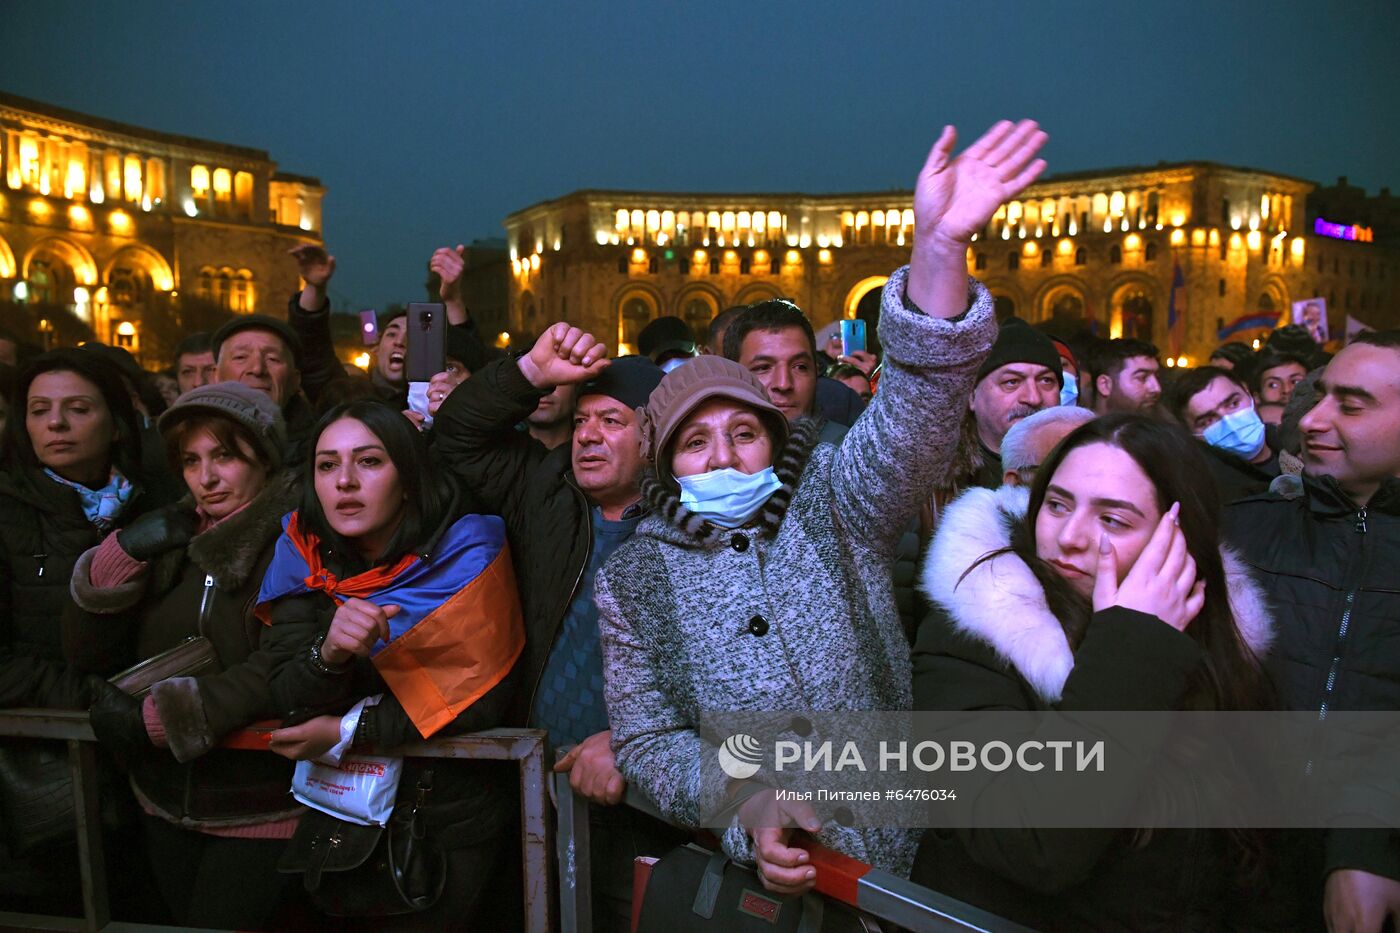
1018	342
629	379
683	390
251	409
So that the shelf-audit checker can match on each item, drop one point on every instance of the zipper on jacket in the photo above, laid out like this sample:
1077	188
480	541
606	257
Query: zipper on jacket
1349	603
206	601
40	558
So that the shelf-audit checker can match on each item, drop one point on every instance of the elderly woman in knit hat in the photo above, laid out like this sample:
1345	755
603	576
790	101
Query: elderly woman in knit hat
193	569
760	580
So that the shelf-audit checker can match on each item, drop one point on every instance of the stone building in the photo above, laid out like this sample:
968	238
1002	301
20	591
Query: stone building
1111	249
113	223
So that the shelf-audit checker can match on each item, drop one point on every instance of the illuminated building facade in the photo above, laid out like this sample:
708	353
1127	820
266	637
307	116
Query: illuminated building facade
110	221
1102	248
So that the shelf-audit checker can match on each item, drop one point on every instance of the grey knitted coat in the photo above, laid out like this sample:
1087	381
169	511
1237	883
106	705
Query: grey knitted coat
795	611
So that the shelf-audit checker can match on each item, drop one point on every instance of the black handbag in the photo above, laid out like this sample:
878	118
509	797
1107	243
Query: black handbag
694	890
36	796
369	871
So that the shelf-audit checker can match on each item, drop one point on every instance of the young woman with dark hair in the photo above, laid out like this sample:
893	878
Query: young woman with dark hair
215	820
1103	587
384	581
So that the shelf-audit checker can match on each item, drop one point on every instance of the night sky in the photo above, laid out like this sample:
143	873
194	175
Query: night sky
429	126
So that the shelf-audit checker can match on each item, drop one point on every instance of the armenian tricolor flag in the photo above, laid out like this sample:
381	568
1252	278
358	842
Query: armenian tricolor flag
459	628
1176	312
1256	321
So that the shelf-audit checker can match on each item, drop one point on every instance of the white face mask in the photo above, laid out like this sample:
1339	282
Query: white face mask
1069	389
727	497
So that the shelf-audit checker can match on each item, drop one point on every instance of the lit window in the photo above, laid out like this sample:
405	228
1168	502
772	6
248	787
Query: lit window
199	180
131	178
223	184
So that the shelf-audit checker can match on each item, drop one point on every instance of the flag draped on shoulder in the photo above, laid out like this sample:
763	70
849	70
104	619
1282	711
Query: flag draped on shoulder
459	629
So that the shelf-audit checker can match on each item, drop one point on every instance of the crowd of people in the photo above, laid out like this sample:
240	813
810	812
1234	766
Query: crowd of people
980	517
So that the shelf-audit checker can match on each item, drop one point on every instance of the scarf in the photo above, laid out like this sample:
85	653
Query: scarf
102	506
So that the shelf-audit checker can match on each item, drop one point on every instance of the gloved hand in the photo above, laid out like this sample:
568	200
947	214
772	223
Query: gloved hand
157	532
116	720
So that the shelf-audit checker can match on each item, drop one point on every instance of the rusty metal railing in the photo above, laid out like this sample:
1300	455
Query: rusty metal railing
524	746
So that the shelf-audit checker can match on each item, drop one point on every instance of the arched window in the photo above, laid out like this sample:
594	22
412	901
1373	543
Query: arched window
1115	255
1013	261
1137	316
223	184
1081	257
199	180
1047	259
636	314
980	261
1266	302
698	314
1150	253
1004	307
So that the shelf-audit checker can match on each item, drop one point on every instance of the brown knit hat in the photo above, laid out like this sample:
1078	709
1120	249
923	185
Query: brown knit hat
689	385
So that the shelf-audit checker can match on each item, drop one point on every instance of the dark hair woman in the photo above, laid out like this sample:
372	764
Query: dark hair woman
70	478
389	598
213	818
1104	588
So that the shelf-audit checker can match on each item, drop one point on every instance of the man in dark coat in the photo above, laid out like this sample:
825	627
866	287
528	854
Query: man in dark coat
1326	549
566	510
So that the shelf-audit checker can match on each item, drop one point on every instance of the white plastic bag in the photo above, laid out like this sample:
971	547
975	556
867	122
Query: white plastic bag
361	789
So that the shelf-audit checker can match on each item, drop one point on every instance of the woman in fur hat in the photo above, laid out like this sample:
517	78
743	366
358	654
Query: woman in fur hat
1102	587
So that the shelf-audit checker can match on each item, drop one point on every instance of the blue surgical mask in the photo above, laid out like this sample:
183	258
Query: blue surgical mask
727	497
1069	389
1240	432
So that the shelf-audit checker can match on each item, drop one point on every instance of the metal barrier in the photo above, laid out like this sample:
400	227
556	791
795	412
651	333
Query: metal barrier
853	883
525	746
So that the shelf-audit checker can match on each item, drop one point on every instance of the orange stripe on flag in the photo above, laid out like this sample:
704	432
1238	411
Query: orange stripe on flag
459	651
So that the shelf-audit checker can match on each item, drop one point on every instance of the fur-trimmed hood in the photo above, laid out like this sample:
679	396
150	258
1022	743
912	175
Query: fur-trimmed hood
682	526
1001	603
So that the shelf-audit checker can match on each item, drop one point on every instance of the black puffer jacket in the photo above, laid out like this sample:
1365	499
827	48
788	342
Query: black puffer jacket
471	800
205	589
44	532
548	519
1330	569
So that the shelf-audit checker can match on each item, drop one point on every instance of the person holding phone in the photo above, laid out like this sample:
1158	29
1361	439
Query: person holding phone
1104	586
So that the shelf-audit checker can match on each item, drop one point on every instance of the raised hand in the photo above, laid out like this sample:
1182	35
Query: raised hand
1162	581
357	625
564	355
448	264
314	264
439	388
955	197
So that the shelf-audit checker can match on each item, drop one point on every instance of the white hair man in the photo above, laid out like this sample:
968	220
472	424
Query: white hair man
1029	441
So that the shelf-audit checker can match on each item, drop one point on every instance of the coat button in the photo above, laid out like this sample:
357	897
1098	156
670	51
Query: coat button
758	626
739	543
